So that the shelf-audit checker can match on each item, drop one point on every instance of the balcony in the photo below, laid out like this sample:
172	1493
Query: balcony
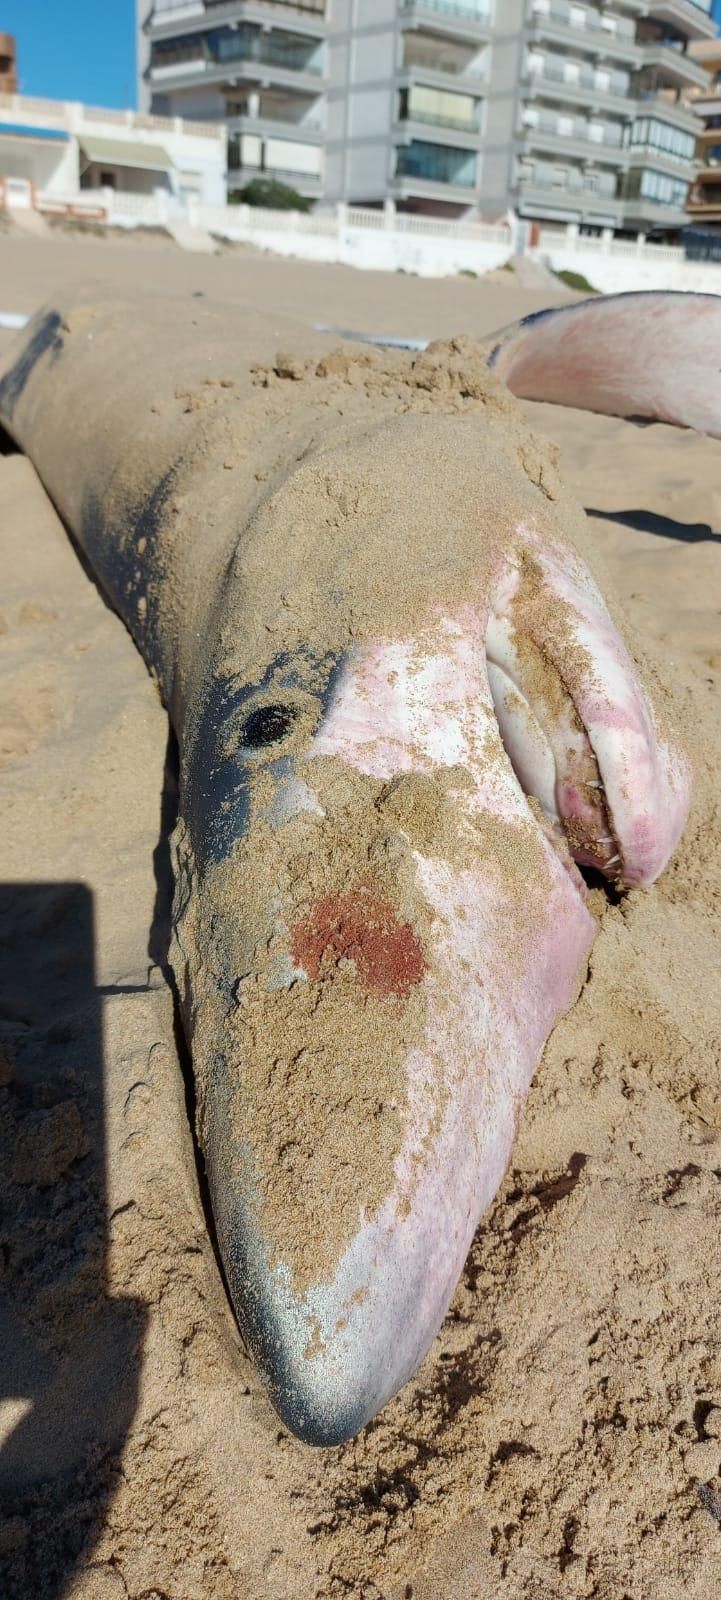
691	19
650	100
437	78
452	19
237	55
265	127
552	84
649	155
170	19
674	65
436	171
570	203
704	200
308	184
592	38
653	198
454	118
642	214
608	150
415	125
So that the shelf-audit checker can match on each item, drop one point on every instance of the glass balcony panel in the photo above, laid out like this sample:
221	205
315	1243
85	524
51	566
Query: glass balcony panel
436	164
276	49
315	8
465	10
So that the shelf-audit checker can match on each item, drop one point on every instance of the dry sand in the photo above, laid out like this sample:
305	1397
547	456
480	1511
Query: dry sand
554	1442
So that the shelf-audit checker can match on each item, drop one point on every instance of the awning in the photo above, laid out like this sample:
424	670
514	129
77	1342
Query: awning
24	131
121	153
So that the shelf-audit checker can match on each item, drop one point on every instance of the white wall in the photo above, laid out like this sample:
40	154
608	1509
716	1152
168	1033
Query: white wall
195	150
363	238
619	266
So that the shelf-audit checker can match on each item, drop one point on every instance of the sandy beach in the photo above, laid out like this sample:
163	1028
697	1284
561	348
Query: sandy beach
562	1440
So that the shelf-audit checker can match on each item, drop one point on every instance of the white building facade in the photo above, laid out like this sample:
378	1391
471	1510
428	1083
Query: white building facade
60	154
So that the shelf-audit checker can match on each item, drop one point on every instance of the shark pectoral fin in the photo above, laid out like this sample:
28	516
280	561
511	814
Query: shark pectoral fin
655	356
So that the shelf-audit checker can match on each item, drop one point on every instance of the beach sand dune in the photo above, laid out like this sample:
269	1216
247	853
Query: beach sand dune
563	1437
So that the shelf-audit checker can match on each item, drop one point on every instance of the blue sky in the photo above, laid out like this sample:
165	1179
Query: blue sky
74	49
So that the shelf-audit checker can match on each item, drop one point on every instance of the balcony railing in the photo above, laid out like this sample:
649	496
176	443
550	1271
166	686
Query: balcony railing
559	17
237	48
585	79
315	8
580	131
468	12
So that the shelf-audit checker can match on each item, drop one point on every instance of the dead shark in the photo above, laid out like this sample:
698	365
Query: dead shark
405	717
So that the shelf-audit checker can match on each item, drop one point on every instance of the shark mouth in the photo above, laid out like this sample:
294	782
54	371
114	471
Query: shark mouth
577	728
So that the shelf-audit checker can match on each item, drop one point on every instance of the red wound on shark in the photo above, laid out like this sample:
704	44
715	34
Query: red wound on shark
362	927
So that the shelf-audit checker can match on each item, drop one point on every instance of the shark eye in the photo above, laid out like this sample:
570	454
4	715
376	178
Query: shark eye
268	725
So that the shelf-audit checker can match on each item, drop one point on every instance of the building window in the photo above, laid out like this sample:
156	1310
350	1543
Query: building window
662	190
647	131
559	178
436	164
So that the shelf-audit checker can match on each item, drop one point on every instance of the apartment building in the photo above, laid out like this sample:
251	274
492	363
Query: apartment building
704	199
258	65
565	111
606	136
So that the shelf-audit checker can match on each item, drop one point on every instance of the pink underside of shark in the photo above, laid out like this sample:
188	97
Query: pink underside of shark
655	356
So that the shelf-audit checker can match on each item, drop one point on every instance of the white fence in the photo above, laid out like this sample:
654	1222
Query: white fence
360	237
617	265
113	206
390	241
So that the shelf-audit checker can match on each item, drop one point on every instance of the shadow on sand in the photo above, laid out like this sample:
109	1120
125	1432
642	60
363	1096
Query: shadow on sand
70	1354
651	522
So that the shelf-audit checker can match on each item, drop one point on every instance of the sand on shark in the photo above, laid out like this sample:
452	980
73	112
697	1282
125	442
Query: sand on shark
405	717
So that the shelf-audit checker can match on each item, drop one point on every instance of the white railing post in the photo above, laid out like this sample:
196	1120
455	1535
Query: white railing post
161	206
341	218
640	243
606	240
389	214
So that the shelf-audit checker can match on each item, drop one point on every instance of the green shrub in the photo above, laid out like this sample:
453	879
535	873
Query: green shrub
271	194
576	280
